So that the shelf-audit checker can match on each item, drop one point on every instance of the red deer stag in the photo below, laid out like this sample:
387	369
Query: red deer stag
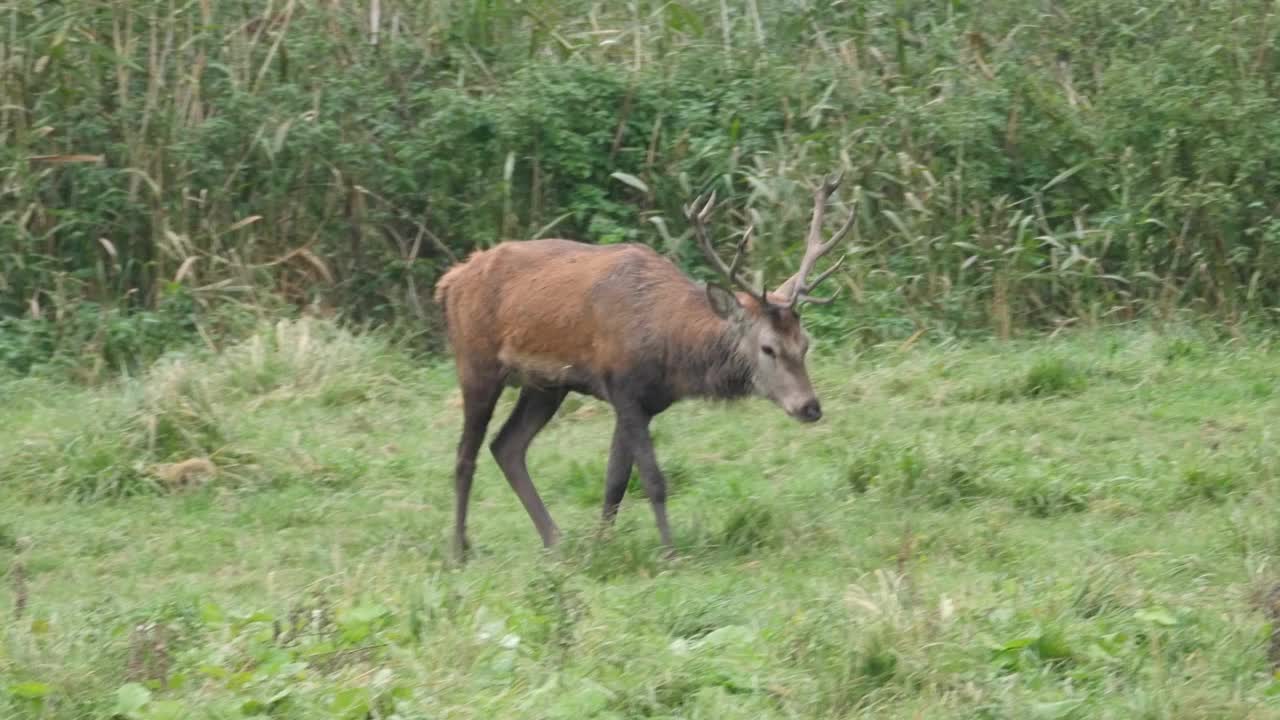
620	323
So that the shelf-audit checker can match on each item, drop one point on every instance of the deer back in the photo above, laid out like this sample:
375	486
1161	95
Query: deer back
562	312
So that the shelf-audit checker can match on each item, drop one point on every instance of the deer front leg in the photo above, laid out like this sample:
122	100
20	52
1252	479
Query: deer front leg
618	475
633	426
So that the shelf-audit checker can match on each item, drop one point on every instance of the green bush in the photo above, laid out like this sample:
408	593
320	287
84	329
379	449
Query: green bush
1014	168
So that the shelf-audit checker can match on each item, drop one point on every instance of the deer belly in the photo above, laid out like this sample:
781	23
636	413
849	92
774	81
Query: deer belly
544	371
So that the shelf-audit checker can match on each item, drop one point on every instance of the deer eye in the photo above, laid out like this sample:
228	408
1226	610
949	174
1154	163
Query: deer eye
767	350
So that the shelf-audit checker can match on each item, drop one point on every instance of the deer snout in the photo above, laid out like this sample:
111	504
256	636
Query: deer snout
809	412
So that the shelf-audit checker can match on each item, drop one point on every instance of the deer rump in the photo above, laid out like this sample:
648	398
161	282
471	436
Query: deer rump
562	314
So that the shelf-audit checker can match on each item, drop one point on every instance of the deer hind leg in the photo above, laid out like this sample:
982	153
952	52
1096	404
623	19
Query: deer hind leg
478	400
533	411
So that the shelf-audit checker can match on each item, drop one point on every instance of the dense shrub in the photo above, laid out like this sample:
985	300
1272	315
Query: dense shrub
1017	166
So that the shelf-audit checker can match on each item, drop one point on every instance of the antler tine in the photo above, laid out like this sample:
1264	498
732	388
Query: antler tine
797	287
707	206
698	213
830	186
826	273
737	253
815	300
844	229
805	297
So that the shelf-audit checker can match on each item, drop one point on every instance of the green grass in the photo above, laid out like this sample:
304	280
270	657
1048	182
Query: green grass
1081	527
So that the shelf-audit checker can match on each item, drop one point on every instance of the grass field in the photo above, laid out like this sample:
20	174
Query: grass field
1084	526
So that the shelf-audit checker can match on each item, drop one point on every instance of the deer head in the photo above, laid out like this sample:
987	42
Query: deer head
770	338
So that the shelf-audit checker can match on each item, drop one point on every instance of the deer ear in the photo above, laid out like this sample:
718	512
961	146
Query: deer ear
724	302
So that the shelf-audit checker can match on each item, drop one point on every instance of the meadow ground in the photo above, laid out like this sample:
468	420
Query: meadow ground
1082	526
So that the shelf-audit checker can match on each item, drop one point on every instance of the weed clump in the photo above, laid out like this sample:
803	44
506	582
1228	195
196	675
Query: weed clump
314	360
1053	377
699	618
1208	484
149	442
749	528
1046	497
915	473
1047	377
863	470
857	649
176	426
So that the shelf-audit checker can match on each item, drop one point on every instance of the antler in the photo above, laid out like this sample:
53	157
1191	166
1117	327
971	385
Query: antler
796	289
697	213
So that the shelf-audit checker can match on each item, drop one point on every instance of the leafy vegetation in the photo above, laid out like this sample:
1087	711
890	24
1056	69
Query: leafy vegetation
1075	527
1014	166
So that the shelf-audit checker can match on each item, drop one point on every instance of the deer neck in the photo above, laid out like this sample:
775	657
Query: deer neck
715	368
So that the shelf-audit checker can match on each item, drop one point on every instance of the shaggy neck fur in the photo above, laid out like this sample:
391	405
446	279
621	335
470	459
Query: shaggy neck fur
715	368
